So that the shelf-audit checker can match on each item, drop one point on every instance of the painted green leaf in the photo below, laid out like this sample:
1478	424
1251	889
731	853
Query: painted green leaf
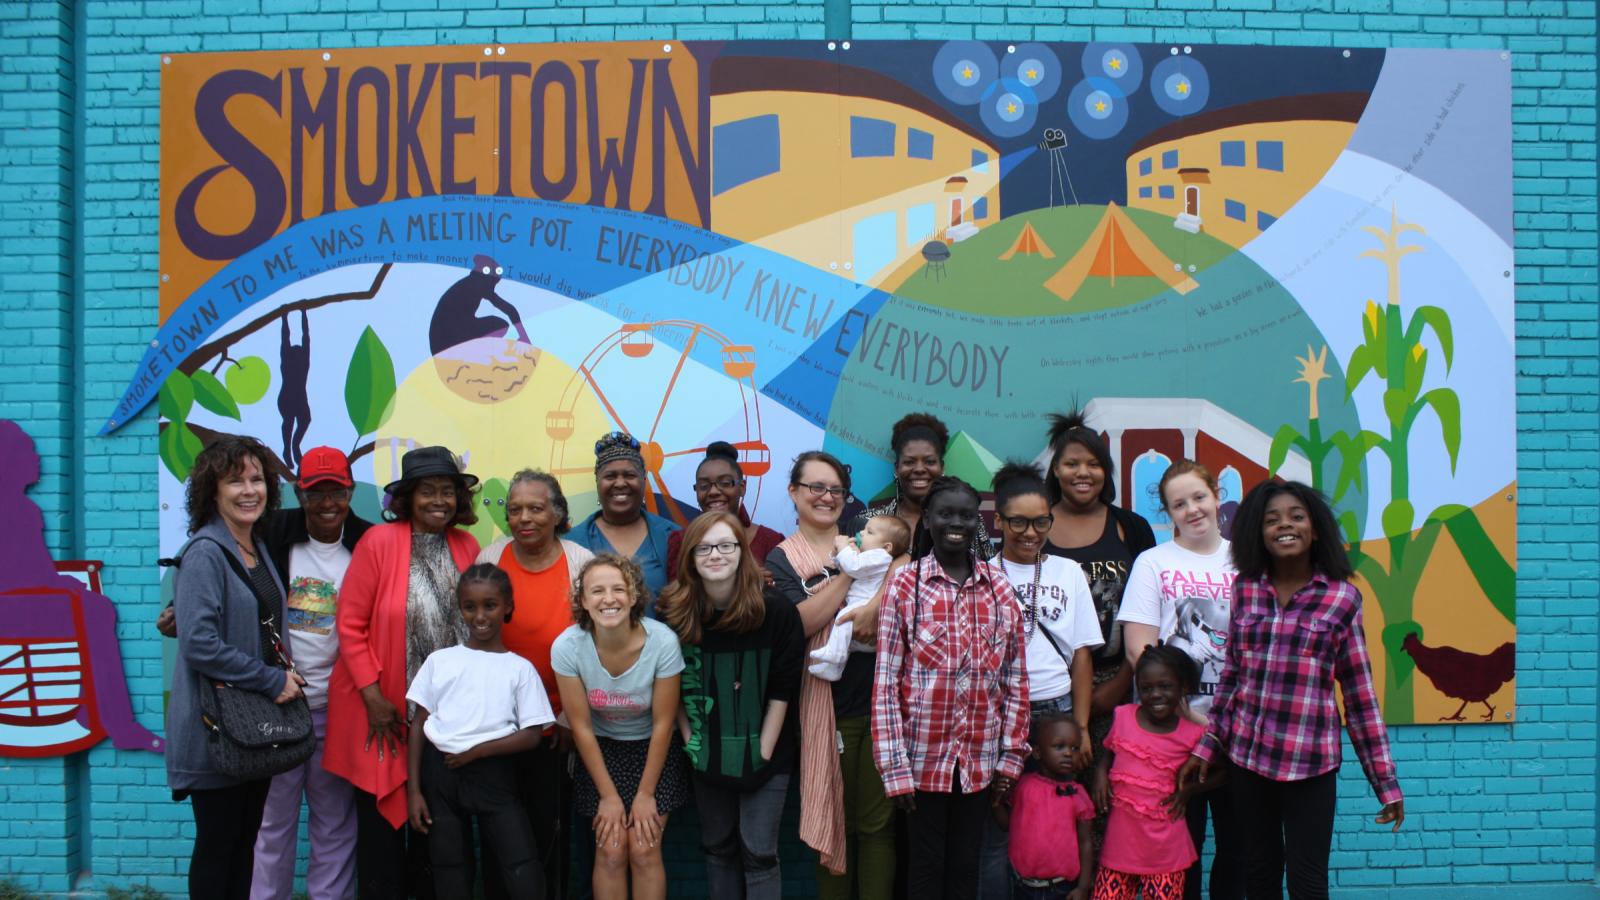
179	446
1361	362
1394	637
1397	518
369	383
176	397
1489	566
1351	526
1281	442
1395	403
1439	321
1447	406
1352	453
248	379
209	393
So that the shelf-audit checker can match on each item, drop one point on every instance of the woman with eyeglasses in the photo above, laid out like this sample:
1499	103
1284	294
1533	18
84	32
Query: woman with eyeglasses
742	648
622	525
1059	624
719	486
844	814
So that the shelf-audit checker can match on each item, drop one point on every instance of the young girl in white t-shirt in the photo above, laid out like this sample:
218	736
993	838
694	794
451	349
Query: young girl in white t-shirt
478	706
1181	593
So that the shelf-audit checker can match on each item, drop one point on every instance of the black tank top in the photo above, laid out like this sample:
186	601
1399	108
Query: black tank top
1105	563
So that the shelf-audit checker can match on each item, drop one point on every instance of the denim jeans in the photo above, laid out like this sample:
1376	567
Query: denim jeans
739	834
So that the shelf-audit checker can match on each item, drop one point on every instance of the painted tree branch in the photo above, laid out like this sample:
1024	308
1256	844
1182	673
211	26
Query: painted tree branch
207	351
209	436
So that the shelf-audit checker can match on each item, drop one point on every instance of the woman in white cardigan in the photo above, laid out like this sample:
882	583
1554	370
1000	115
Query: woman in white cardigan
542	566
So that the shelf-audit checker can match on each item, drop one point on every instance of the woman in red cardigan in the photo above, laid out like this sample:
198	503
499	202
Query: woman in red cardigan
396	605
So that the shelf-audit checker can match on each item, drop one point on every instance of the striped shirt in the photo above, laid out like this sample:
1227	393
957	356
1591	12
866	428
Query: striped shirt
952	684
1274	712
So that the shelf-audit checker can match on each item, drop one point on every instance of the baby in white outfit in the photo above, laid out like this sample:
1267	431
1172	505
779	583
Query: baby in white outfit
882	544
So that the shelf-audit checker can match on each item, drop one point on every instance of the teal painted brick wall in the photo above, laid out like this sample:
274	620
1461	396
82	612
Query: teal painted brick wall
79	87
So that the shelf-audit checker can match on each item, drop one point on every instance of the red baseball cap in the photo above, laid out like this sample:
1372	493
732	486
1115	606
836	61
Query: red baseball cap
321	464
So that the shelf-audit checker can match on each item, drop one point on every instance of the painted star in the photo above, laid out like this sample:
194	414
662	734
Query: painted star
1183	87
1011	108
967	72
1033	73
1100	106
1115	63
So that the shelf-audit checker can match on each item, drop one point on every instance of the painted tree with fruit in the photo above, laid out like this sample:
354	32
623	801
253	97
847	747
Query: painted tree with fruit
1392	354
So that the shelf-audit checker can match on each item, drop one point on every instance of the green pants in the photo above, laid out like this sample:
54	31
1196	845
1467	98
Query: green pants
868	823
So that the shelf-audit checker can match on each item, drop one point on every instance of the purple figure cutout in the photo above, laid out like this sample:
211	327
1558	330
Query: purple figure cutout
294	406
456	319
40	606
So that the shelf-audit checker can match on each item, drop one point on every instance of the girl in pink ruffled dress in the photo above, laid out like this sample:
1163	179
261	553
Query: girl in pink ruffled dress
1147	843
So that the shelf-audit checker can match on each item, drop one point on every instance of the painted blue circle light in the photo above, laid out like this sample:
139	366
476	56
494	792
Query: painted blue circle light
1180	85
1097	108
1116	62
1036	66
963	70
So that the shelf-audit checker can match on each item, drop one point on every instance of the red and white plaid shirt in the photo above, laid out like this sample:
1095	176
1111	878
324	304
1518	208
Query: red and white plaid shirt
952	682
1274	712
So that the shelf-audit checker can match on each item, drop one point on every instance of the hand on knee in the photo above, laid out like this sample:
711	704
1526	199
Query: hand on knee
611	859
643	854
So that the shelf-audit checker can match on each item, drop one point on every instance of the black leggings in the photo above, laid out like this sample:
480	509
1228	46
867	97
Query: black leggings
225	824
1290	822
945	834
488	790
1227	864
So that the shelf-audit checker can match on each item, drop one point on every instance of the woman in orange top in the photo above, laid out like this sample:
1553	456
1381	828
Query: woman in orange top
542	567
396	606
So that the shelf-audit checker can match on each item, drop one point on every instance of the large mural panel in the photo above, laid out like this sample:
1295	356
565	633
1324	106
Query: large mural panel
1279	261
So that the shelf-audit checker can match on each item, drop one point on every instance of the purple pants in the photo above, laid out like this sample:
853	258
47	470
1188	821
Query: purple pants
331	875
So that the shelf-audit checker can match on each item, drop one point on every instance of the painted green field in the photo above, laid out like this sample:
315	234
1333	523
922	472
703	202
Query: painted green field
977	280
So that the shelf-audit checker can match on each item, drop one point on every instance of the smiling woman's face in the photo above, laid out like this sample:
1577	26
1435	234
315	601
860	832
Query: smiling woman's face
819	497
718	486
242	494
606	596
433	503
952	519
916	467
621	487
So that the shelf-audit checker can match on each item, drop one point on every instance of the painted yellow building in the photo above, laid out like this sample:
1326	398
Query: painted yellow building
870	169
1232	172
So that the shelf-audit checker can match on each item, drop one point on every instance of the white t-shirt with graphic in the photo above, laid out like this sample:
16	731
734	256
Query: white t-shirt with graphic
473	696
315	572
1065	613
1189	597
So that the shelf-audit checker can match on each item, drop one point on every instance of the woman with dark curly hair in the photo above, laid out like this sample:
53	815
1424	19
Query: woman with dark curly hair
396	606
622	525
619	676
919	441
223	637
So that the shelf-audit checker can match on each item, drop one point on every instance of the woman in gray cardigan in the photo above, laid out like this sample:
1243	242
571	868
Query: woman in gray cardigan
221	636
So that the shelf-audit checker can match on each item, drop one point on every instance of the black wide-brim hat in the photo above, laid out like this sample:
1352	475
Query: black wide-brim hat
427	461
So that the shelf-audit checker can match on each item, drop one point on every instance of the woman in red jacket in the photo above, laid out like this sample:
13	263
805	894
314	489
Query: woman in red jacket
396	606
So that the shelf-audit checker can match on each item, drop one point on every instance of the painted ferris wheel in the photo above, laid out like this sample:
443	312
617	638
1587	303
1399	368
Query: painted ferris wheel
642	362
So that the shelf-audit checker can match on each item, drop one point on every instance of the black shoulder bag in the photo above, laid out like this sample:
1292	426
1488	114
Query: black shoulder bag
251	736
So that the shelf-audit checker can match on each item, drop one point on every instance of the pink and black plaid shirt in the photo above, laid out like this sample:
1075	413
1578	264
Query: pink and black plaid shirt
952	684
1274	713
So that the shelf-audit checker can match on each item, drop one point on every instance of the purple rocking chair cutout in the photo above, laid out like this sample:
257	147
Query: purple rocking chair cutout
62	687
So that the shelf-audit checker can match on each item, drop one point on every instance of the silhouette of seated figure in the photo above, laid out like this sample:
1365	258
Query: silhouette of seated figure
62	687
456	320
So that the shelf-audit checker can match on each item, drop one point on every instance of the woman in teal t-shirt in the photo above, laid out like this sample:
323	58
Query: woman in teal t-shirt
619	673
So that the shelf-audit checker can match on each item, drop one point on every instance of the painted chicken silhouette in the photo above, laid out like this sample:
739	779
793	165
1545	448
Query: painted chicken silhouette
1468	677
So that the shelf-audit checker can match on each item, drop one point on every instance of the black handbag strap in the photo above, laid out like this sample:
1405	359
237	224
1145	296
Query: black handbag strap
269	616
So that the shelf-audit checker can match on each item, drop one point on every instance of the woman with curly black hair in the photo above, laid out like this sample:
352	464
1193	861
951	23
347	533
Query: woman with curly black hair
221	637
919	442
